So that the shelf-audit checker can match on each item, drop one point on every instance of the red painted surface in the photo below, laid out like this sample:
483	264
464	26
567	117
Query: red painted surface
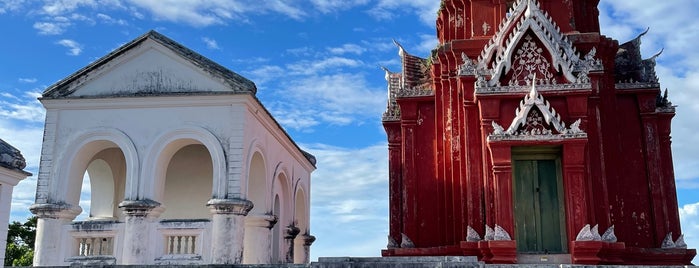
445	174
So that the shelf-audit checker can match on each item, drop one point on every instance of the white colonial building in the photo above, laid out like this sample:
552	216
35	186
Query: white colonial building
185	165
12	166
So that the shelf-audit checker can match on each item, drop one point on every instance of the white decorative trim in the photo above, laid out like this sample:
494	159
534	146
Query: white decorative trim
527	15
524	116
472	235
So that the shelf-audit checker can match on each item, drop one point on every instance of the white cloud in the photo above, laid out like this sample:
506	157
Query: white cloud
74	48
109	20
331	6
426	10
27	80
338	99
349	193
210	43
310	67
10	5
51	28
26	109
347	49
57	7
689	218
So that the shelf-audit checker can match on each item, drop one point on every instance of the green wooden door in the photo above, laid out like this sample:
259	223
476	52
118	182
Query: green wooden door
538	207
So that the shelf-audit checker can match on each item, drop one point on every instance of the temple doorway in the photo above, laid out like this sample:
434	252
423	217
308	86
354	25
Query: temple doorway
538	200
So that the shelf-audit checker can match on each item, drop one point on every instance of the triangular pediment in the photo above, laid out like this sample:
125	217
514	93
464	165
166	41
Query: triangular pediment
151	65
530	29
535	119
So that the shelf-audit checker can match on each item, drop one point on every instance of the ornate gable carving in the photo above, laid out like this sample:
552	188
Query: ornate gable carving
535	119
503	55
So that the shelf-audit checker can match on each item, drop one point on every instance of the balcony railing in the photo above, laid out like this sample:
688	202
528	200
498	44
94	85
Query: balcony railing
95	246
181	244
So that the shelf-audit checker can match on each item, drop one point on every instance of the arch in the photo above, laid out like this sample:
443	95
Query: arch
301	218
77	155
257	181
277	233
165	146
187	183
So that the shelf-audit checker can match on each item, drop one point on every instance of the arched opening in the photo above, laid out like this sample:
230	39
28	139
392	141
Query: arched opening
103	183
188	183
257	239
301	220
257	184
277	233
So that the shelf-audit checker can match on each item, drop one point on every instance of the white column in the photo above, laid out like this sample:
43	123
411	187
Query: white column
138	216
290	234
307	242
302	248
258	239
8	179
49	247
228	229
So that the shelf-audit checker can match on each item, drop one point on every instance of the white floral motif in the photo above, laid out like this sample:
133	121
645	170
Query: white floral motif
528	62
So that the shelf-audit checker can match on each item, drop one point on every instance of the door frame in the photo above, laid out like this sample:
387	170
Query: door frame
545	153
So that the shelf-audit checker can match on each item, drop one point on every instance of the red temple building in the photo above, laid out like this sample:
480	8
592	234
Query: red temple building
527	136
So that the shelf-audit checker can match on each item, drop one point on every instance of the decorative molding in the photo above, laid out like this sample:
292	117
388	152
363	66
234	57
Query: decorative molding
233	206
406	242
630	84
468	67
489	233
139	208
472	235
585	234
595	233
55	211
527	15
609	235
392	243
415	92
528	123
501	234
668	243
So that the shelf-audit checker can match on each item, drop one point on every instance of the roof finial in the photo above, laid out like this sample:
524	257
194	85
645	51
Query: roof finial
401	50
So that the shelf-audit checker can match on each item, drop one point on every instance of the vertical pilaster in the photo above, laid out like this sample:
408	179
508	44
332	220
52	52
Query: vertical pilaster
138	215
290	234
228	229
575	182
649	121
307	242
258	239
502	186
48	249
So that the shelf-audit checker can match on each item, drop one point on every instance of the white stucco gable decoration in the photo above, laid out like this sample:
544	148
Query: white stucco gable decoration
150	65
528	122
527	19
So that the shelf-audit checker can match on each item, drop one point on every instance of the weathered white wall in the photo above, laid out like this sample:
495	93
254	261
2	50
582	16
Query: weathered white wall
181	150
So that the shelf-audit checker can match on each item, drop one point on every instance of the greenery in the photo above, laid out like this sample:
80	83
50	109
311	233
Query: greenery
20	243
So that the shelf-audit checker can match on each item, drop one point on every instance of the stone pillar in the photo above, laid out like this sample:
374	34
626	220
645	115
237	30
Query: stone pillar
307	242
290	234
228	229
138	214
258	239
48	248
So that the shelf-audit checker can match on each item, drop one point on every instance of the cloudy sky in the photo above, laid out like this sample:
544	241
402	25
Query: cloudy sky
316	64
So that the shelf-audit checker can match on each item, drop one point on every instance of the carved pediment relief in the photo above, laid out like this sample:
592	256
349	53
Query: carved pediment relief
527	42
535	119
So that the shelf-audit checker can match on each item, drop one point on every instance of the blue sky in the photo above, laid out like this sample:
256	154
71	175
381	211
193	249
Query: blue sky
316	65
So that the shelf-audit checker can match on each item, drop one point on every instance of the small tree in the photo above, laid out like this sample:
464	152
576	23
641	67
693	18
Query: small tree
20	243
